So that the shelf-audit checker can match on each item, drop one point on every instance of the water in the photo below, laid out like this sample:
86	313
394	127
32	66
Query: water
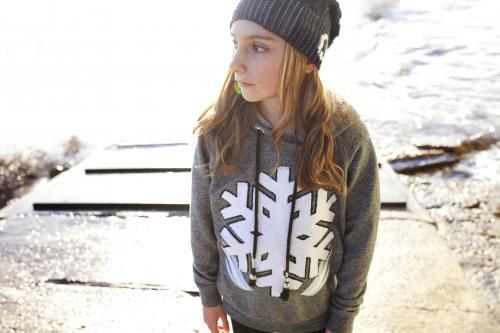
108	71
426	69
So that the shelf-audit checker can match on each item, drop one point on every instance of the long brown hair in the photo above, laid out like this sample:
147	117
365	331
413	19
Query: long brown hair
303	99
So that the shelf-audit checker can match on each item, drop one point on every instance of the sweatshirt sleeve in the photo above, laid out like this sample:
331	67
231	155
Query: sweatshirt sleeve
362	217
203	240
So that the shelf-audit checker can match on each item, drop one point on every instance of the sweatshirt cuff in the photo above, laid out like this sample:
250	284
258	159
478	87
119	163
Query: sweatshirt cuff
338	324
210	296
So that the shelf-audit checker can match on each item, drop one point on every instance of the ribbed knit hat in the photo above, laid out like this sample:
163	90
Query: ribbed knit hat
308	25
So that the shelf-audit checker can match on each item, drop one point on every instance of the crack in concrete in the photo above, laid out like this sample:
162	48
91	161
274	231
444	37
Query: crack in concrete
437	309
141	286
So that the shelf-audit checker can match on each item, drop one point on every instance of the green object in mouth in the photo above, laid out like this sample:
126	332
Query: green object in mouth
237	88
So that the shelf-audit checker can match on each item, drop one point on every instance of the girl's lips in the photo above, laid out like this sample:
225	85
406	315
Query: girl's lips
243	84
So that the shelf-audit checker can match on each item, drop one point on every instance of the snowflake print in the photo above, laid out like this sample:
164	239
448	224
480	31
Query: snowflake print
311	233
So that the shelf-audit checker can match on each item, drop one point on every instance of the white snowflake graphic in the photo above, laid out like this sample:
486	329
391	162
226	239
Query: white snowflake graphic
311	234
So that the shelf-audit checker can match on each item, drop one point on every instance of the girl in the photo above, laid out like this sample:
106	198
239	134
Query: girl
285	187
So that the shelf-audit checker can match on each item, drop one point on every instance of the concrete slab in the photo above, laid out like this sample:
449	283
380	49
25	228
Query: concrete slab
416	285
150	178
73	190
117	250
55	308
166	157
392	193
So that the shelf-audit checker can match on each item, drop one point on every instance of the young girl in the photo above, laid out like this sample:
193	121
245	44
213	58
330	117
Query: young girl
285	186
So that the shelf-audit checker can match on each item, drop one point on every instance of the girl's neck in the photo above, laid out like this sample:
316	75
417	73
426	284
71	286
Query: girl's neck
273	117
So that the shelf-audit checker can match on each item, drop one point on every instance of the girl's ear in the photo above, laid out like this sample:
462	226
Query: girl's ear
308	68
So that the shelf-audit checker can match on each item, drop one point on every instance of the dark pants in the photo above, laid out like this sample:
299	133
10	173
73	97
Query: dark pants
240	328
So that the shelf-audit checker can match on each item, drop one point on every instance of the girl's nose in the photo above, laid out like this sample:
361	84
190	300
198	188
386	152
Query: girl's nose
237	63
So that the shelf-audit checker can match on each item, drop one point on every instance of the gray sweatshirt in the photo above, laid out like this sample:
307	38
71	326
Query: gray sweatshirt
328	239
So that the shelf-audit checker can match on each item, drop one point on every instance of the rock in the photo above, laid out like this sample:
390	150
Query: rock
423	162
458	143
471	262
18	172
54	171
447	144
492	230
72	146
479	141
475	204
411	152
493	202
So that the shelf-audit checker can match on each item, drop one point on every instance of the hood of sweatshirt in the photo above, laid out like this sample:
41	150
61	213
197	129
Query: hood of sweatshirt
340	122
266	128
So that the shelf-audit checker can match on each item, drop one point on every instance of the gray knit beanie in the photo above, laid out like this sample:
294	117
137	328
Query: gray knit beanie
308	25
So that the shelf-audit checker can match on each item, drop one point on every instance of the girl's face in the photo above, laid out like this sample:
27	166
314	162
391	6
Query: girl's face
257	58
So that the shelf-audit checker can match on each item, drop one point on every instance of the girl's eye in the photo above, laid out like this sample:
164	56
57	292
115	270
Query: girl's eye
257	47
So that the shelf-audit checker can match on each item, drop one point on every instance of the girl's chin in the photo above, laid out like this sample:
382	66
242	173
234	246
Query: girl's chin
250	98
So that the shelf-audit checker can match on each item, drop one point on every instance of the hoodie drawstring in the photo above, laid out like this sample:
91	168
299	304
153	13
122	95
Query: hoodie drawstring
287	284
253	274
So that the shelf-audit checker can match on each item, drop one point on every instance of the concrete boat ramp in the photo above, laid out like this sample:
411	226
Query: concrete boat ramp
104	247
